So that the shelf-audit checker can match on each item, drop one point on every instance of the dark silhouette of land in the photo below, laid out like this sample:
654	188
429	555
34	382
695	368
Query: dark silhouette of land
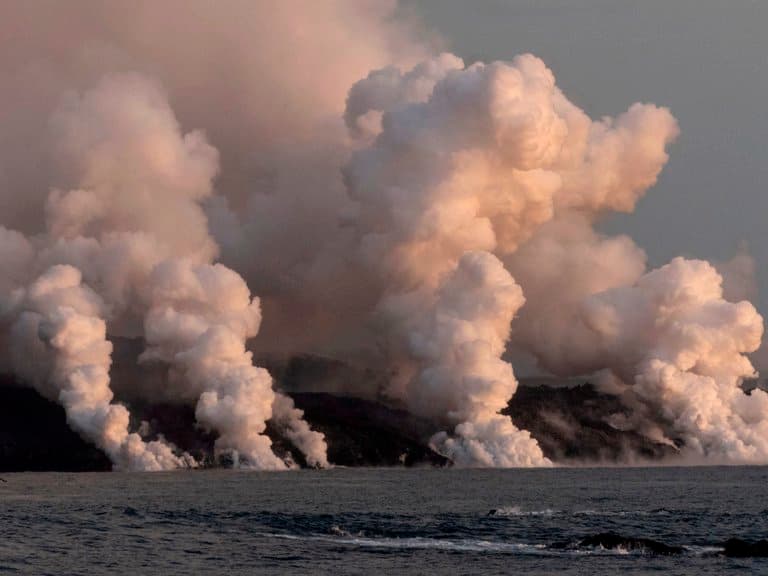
570	424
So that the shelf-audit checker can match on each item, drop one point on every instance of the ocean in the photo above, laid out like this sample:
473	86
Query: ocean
384	521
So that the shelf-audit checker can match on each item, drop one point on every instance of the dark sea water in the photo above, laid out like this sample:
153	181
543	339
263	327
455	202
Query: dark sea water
380	521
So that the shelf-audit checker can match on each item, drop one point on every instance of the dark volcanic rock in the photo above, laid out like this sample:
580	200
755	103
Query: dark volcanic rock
176	424
613	541
34	436
364	433
570	424
358	432
737	548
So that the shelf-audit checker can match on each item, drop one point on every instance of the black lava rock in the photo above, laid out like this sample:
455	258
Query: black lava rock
737	548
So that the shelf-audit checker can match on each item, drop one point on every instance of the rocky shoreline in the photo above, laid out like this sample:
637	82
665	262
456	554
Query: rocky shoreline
568	422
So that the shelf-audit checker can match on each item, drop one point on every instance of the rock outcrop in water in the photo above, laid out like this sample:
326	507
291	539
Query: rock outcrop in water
738	548
613	541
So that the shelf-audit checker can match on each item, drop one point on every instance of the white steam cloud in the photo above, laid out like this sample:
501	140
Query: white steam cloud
59	328
468	163
388	207
134	229
676	351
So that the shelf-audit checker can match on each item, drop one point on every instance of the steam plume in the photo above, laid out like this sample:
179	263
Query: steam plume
386	206
59	319
134	226
676	349
468	162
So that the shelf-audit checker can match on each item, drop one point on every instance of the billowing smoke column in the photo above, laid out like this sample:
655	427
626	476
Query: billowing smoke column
694	363
671	342
61	317
493	159
463	225
267	82
133	229
561	266
199	321
675	350
458	347
459	167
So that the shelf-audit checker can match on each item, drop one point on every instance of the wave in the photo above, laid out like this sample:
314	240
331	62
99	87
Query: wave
518	511
419	542
622	513
622	544
457	533
732	548
602	544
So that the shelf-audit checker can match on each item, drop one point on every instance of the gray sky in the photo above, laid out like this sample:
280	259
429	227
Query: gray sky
707	60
